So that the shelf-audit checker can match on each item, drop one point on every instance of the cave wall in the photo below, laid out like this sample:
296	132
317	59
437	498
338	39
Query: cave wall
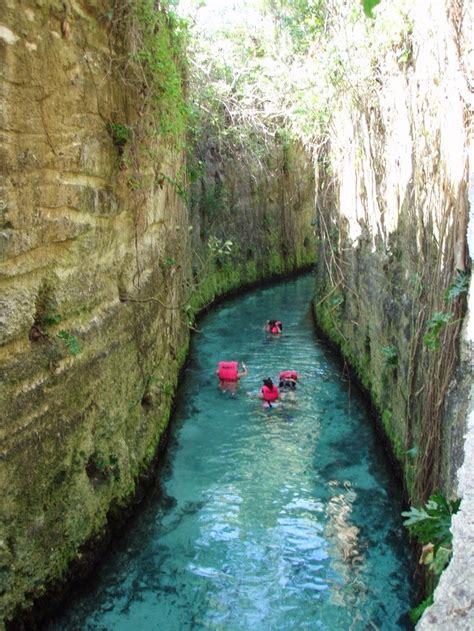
103	265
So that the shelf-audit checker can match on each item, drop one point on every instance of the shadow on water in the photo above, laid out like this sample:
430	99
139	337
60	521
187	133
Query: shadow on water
282	518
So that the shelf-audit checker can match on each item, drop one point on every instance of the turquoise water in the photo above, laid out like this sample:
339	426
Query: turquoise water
283	519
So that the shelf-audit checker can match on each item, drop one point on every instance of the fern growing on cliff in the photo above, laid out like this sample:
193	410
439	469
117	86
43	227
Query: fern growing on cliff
459	287
431	526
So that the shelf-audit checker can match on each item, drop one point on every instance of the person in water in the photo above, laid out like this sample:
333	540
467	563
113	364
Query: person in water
288	379
274	327
229	375
269	393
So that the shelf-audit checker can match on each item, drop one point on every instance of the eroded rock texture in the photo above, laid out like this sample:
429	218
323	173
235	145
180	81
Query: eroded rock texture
99	273
392	220
392	225
86	376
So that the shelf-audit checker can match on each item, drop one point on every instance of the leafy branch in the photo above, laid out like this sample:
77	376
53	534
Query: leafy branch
431	526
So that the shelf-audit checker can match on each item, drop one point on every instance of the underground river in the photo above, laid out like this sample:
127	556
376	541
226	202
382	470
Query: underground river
287	518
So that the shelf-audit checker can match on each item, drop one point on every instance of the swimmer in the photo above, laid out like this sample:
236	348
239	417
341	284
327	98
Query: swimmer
269	393
288	379
229	375
274	327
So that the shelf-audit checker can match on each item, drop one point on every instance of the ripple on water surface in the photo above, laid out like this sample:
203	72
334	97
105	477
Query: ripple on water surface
267	519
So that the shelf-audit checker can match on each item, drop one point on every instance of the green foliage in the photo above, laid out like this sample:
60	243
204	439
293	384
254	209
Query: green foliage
71	342
390	354
417	612
302	19
102	467
405	56
431	337
120	134
50	319
155	65
458	287
431	524
219	247
287	141
163	35
212	199
368	6
195	169
285	67
387	417
167	389
177	183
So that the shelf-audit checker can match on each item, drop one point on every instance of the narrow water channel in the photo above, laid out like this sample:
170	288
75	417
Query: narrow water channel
278	519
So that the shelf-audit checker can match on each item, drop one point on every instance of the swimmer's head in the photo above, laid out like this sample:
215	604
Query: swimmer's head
268	382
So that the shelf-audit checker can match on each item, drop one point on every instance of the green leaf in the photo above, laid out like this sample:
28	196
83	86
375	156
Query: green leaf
390	354
431	341
417	612
414	516
404	57
432	523
458	287
368	6
440	560
438	319
434	326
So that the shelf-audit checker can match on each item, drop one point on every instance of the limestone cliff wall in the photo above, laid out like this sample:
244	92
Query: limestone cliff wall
265	208
77	360
392	225
394	267
100	273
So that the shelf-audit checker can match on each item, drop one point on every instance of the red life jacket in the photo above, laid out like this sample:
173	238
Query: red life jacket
228	371
276	328
270	395
289	374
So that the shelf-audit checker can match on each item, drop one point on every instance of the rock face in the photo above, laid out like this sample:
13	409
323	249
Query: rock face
264	211
99	273
87	376
393	270
392	226
104	260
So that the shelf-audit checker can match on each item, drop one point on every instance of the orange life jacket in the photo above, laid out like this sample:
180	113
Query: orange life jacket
270	395
228	371
289	374
276	328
